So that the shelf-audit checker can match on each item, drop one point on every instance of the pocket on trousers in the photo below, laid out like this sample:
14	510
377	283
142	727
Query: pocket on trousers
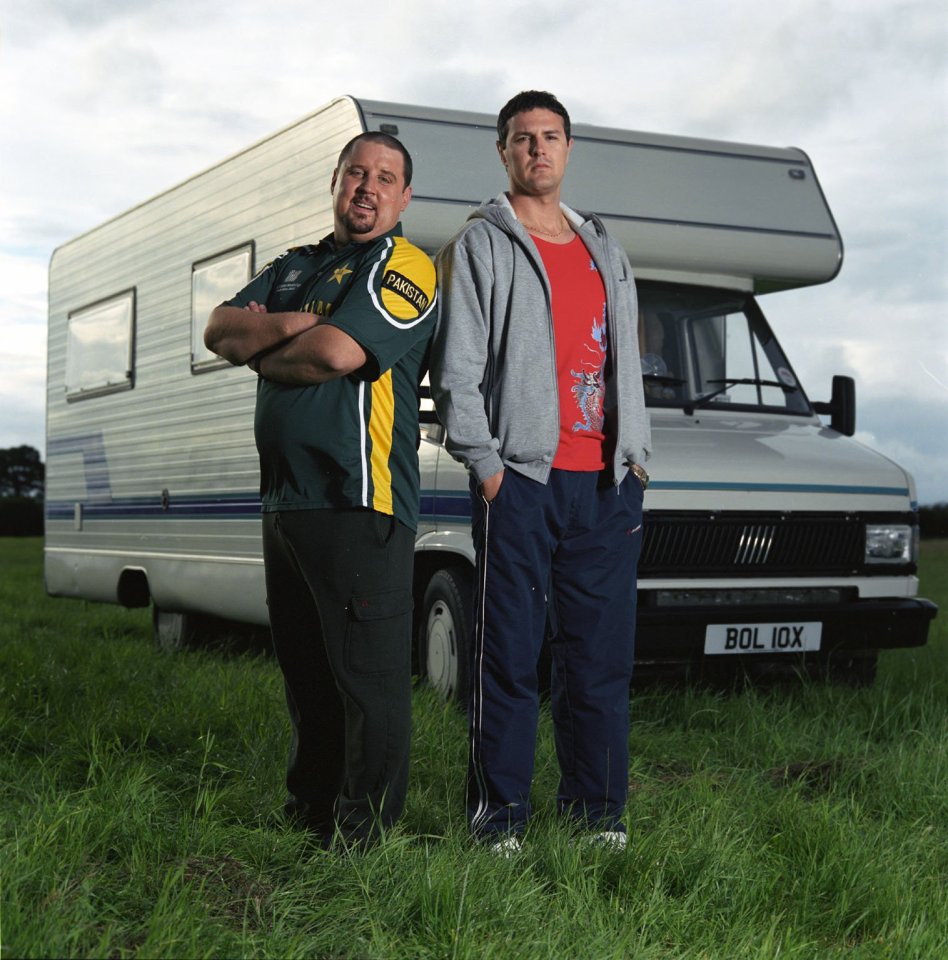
378	638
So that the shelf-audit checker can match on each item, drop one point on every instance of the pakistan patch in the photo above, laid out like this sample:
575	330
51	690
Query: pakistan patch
401	285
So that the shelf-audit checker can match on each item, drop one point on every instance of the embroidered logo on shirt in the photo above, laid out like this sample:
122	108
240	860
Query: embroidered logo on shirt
290	282
340	273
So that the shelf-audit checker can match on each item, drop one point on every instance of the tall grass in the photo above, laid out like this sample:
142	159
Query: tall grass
141	791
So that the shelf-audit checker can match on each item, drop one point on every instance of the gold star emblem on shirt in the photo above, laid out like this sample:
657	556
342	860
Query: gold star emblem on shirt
339	273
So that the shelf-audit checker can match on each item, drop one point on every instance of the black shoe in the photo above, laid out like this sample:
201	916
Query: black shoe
299	814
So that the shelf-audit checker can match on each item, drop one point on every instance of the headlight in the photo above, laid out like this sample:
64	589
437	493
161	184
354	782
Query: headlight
890	543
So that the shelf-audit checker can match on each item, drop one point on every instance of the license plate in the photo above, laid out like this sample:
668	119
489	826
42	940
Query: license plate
762	637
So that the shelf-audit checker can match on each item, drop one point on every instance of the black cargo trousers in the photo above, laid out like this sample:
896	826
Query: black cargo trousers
339	597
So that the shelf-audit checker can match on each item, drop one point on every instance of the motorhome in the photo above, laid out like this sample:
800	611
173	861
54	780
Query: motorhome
771	535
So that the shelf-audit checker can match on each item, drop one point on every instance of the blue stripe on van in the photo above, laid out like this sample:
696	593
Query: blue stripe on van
231	506
238	506
448	506
94	462
749	487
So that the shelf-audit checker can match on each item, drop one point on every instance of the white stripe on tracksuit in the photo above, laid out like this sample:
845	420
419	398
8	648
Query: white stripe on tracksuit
477	681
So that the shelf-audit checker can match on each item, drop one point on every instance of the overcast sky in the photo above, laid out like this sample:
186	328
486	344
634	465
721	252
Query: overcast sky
103	104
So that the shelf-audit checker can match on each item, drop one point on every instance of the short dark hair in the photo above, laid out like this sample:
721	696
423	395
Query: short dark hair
387	140
529	100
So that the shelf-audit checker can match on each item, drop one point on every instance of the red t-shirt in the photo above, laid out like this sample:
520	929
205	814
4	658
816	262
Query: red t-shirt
579	325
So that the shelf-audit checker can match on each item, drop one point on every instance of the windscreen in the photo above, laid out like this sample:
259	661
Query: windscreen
713	349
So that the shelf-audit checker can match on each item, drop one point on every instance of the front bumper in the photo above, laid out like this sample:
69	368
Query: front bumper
666	634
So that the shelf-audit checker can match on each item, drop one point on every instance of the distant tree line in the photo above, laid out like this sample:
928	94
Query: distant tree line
933	521
22	478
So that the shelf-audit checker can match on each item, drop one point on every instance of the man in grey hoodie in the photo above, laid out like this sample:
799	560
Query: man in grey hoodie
535	374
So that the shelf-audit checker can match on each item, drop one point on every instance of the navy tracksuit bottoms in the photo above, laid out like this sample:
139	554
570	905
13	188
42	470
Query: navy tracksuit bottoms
575	540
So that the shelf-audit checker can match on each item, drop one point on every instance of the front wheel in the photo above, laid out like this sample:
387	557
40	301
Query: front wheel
444	640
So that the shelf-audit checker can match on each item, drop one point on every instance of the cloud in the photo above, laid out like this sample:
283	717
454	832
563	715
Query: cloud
117	100
23	380
898	355
912	434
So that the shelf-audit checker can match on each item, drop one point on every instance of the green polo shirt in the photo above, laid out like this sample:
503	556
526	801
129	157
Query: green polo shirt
352	441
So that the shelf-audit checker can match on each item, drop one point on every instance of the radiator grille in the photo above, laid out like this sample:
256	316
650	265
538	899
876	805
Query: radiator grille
706	545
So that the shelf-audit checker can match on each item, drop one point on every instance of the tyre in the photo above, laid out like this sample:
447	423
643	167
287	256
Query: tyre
444	638
173	631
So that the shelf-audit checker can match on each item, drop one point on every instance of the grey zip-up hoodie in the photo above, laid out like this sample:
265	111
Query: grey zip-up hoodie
493	368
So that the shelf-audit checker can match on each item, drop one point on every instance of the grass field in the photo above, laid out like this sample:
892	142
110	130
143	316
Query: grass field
141	791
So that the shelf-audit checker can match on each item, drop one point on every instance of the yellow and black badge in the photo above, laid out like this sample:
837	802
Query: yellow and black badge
408	282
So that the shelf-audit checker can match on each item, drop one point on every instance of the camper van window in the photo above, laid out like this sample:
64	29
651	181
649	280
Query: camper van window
214	280
100	347
714	349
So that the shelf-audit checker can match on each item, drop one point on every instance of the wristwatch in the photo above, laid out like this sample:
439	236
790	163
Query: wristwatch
640	474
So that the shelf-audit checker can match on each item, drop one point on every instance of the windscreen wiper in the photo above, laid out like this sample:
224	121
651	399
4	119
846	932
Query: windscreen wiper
663	378
729	382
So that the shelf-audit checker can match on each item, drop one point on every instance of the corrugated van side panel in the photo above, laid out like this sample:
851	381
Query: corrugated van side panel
164	476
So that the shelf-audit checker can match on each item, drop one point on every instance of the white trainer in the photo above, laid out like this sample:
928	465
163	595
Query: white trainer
507	848
615	840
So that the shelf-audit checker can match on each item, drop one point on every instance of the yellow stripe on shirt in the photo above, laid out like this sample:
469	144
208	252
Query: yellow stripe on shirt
381	431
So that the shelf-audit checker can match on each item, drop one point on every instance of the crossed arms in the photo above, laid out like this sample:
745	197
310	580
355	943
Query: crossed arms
289	347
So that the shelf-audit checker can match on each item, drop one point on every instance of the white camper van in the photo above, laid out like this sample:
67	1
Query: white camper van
771	536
